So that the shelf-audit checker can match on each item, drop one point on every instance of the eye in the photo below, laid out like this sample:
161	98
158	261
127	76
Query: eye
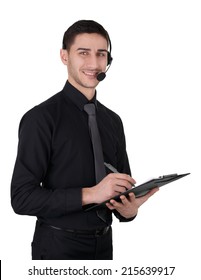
84	53
101	54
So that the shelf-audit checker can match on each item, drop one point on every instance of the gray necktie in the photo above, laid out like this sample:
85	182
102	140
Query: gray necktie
97	150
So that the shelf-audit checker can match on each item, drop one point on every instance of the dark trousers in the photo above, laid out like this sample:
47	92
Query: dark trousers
54	244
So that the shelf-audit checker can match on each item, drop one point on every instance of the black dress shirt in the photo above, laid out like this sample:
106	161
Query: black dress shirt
55	159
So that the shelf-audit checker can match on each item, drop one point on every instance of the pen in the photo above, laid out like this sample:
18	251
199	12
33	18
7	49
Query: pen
111	168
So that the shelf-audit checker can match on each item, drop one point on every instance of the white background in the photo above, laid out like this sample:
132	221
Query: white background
153	84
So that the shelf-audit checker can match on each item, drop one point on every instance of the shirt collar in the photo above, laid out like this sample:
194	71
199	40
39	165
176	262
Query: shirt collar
77	97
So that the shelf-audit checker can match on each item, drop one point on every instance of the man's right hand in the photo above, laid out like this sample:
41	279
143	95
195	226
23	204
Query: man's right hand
113	184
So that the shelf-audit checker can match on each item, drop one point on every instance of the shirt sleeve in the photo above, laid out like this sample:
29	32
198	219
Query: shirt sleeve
28	196
122	165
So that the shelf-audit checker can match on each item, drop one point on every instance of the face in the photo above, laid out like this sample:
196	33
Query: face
86	58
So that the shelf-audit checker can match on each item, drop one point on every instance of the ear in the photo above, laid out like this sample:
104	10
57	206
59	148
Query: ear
64	56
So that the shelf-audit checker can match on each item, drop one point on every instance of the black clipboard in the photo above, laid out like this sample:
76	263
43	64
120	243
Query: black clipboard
141	189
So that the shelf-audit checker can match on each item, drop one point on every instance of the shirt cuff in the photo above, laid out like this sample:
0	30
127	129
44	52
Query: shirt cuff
73	200
121	218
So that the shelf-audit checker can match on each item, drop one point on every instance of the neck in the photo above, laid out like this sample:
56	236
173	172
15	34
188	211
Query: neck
87	92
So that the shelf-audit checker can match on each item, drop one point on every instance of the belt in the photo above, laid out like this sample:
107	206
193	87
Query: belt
94	233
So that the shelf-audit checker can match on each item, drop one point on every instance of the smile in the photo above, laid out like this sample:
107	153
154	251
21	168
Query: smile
90	73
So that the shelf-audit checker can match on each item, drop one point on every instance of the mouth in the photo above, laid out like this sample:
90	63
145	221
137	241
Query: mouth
90	74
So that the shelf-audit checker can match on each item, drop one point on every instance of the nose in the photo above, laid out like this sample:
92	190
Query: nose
92	61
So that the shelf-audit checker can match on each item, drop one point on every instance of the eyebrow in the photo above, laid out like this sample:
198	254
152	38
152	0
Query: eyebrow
88	49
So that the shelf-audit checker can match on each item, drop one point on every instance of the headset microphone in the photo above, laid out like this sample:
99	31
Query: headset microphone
101	76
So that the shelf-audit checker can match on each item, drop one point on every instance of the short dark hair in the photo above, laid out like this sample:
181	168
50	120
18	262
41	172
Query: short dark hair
83	26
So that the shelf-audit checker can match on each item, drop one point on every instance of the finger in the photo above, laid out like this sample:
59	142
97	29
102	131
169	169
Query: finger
124	200
153	191
115	204
144	198
131	196
124	177
124	183
119	189
110	206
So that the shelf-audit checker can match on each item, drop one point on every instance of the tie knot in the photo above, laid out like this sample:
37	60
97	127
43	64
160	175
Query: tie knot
90	109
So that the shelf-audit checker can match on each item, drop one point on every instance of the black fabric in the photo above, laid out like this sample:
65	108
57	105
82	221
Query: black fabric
53	244
55	160
98	153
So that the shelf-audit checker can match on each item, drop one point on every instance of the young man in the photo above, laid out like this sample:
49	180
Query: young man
54	175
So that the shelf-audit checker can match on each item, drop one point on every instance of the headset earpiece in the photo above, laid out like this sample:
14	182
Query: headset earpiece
109	58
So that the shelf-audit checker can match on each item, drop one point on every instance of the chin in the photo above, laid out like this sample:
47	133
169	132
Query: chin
90	83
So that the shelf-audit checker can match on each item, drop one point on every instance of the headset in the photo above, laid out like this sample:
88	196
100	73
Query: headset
101	76
109	56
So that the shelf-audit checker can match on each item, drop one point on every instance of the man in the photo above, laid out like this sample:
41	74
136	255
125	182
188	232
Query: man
54	175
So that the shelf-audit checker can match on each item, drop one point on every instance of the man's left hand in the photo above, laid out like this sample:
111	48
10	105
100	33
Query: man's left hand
128	207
